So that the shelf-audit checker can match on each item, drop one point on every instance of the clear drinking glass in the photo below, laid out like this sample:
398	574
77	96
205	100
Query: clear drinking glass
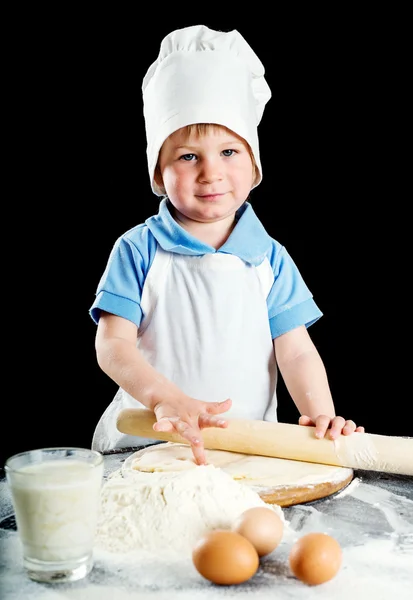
56	496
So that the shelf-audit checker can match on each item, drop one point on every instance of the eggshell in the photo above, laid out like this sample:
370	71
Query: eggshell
262	527
225	557
315	558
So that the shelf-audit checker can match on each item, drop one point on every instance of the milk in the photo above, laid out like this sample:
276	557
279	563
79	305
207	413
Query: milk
55	504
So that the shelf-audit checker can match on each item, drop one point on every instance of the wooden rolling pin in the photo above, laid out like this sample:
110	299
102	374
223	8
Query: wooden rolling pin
367	451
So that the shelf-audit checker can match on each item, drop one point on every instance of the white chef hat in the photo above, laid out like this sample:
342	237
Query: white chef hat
203	76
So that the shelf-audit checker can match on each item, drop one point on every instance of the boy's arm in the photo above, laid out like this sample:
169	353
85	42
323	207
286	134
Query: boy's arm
305	377
118	356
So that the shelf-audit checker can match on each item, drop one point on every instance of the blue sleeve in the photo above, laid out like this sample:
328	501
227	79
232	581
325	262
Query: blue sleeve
120	287
290	302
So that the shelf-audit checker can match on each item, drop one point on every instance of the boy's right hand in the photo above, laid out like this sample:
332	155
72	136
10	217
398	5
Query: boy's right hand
188	417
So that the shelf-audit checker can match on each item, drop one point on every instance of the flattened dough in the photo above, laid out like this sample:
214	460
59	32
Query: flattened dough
257	471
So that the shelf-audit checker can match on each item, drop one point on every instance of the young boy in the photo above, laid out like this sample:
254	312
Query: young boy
199	307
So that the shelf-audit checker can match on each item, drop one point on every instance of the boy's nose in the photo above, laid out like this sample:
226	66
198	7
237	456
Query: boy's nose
211	170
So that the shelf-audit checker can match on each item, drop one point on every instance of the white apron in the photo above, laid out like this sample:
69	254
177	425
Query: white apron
205	328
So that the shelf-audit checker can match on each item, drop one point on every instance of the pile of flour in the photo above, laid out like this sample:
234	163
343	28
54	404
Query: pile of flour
168	512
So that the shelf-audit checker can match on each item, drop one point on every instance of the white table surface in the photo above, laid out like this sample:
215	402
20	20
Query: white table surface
372	519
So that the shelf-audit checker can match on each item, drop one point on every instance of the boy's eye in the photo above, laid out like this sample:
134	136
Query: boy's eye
228	152
187	157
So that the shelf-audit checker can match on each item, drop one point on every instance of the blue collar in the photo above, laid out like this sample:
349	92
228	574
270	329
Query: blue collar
248	240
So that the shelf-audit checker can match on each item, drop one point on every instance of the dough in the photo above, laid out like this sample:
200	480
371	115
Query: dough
258	472
165	513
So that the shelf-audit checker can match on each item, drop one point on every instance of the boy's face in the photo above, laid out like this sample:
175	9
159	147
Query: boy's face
208	177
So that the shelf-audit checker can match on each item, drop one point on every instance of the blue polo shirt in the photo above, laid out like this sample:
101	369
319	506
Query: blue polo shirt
289	301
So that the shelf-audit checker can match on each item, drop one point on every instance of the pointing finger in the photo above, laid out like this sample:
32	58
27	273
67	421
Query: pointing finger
199	453
194	437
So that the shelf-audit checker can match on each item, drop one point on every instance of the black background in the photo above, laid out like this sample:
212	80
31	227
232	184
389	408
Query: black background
331	148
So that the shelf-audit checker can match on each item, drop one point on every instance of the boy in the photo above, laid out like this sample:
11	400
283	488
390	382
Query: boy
198	307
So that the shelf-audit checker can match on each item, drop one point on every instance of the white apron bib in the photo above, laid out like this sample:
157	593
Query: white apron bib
205	328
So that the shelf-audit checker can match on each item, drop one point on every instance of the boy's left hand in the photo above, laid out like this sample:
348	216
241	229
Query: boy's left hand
330	427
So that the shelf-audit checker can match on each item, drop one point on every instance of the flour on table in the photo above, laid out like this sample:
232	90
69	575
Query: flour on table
167	512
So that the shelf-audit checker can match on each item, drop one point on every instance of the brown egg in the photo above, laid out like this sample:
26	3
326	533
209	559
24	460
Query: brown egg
315	558
262	527
225	557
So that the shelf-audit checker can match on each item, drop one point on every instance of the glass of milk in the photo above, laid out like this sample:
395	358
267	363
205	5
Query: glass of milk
56	499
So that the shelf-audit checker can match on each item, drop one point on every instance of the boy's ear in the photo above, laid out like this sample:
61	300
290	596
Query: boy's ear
158	178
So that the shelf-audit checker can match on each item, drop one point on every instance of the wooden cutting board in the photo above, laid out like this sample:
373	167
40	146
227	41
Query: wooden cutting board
277	481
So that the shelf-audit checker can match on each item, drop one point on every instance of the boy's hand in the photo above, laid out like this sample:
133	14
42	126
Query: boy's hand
330	427
188	418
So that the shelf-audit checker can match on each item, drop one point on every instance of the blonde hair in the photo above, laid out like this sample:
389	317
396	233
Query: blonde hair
202	129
